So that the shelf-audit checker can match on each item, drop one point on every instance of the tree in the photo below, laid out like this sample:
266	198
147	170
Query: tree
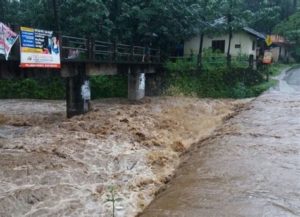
83	18
237	16
290	29
160	22
206	16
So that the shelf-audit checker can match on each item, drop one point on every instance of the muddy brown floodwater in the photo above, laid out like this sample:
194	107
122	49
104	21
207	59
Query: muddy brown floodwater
250	167
51	166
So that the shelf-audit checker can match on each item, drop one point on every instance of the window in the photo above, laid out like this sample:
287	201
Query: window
238	46
218	45
253	45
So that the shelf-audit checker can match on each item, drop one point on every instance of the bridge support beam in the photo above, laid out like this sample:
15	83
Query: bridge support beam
136	85
78	94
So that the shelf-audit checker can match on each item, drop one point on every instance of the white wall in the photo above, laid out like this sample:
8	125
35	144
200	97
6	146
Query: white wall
275	54
280	53
242	38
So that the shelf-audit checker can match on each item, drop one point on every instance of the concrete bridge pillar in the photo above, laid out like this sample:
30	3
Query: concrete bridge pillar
136	84
78	94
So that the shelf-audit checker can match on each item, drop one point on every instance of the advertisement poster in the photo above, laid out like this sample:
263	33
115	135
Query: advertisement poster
268	56
7	40
39	49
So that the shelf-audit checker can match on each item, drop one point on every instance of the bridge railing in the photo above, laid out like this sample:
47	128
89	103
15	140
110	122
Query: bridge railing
74	48
102	51
82	49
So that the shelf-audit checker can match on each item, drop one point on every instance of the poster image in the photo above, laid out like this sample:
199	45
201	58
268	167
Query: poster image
39	49
7	40
268	56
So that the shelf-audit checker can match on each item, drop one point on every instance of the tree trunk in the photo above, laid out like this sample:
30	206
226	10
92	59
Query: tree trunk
229	48
56	16
229	20
200	51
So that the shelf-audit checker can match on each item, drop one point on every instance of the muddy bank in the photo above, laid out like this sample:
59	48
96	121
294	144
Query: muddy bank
52	166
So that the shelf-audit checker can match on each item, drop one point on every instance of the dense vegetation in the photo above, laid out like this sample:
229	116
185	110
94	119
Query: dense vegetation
181	78
216	80
290	28
161	23
54	88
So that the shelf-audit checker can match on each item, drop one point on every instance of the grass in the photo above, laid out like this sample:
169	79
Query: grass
260	88
277	68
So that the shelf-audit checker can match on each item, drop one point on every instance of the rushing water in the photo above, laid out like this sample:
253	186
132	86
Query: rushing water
251	167
51	166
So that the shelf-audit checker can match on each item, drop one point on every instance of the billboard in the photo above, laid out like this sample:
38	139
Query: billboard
39	48
7	40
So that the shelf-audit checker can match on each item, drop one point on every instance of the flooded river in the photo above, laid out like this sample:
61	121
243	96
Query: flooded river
51	166
250	167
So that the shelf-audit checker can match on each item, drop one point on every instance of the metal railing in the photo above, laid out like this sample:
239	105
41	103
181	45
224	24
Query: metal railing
82	49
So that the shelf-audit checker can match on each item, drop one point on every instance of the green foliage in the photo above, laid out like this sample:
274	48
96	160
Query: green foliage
111	198
181	66
240	91
52	88
108	86
290	28
258	89
276	69
161	22
215	80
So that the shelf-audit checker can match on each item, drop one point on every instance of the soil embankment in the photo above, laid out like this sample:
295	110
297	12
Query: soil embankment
52	166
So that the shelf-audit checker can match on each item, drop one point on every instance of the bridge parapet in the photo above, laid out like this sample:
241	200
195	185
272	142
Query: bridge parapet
82	49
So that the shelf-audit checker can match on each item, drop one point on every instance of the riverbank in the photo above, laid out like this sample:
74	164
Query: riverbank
50	165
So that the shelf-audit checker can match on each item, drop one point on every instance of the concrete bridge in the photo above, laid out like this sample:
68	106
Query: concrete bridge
85	57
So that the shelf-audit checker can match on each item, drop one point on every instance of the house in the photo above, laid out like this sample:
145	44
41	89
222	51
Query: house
280	49
244	42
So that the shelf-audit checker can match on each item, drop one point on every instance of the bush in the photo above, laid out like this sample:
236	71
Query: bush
240	90
215	79
52	88
109	86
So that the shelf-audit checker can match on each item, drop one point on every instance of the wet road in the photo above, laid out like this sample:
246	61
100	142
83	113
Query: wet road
251	167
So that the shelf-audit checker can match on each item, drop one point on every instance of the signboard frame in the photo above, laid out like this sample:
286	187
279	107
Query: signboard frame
39	49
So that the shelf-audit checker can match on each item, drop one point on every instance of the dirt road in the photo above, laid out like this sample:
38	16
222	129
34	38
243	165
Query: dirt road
251	167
